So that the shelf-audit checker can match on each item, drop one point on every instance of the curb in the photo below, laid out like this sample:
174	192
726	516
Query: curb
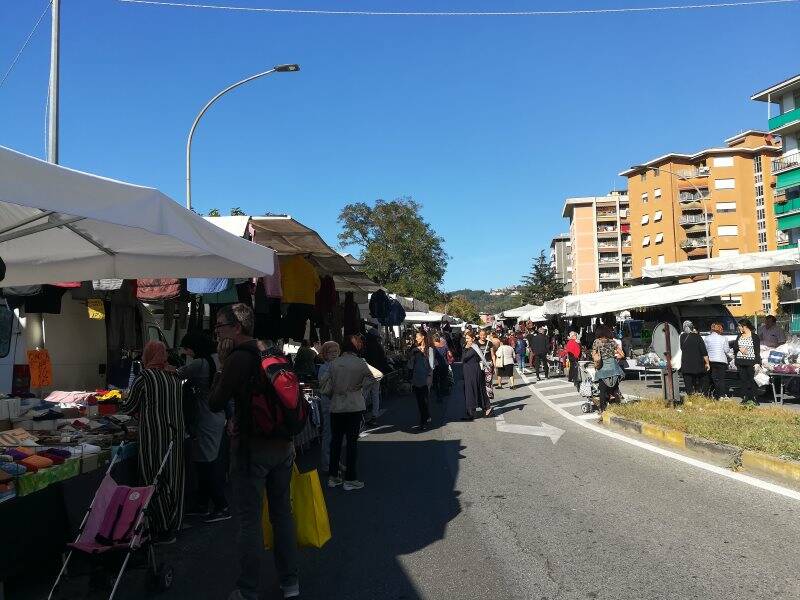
733	457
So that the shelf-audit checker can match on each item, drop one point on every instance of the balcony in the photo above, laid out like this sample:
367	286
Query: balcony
692	173
787	207
781	238
785	163
780	197
693	196
609	276
788	121
788	294
606	216
605	263
693	243
687	220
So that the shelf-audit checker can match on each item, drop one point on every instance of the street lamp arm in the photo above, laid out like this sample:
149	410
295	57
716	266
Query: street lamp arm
276	69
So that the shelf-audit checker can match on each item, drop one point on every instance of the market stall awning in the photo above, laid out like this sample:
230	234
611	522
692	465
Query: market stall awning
428	317
288	236
752	262
536	314
58	224
516	313
642	296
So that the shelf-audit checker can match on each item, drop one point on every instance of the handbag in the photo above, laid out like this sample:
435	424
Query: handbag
311	522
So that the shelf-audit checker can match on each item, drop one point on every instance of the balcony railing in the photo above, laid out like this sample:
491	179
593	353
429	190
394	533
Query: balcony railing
781	238
695	219
780	197
785	163
692	243
694	196
788	294
697	172
784	119
609	277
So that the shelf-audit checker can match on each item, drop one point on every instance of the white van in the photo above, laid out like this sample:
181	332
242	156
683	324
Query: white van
82	351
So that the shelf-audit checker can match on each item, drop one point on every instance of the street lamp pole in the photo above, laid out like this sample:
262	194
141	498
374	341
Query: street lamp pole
276	69
703	198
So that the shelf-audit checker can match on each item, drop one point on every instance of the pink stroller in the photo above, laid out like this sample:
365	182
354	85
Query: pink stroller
117	521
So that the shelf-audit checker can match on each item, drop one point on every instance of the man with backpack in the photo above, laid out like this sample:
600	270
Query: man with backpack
262	450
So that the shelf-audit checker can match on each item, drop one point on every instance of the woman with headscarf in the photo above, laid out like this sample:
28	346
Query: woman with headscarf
156	397
694	359
474	382
205	427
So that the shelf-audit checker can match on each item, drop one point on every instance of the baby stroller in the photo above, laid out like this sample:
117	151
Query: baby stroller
589	388
116	523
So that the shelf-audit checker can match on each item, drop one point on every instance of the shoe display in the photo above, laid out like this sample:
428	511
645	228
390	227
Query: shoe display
291	591
353	485
334	481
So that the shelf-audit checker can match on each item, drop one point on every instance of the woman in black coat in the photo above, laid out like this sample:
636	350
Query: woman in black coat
694	360
747	354
474	380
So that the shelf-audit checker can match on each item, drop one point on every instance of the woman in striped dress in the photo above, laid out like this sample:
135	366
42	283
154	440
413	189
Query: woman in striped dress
156	397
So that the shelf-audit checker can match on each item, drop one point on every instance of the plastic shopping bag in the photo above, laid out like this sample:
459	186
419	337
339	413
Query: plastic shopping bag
312	526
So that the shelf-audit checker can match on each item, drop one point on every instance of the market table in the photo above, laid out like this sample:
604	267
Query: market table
781	382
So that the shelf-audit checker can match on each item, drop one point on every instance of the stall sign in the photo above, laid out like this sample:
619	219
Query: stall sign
96	308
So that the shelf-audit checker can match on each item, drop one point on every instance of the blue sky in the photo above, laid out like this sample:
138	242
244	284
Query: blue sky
488	122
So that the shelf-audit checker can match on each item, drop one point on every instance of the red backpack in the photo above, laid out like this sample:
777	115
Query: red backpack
277	407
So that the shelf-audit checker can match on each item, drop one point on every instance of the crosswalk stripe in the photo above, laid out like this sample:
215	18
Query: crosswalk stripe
571	394
570	404
556	386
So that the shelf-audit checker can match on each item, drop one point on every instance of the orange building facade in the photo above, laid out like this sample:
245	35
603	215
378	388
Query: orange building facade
716	202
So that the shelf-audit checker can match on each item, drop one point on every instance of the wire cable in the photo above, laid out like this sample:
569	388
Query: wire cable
521	13
25	44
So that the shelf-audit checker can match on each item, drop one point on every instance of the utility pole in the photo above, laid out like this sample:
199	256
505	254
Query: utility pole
52	123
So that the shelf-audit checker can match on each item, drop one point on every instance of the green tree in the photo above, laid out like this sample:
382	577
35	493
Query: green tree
237	212
399	249
214	212
459	306
541	283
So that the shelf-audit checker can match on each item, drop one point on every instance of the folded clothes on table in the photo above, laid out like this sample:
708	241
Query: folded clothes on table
59	452
16	454
13	468
55	458
36	462
25	450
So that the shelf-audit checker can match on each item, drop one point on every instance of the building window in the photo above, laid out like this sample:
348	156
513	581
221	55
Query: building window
661	260
724	184
764	285
723	161
646	240
657	171
757	164
724	207
644	198
648	262
645	219
728	230
659	238
658	216
762	237
657	193
761	214
729	252
760	190
643	176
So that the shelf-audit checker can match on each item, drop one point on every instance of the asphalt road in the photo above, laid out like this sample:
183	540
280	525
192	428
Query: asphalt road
464	511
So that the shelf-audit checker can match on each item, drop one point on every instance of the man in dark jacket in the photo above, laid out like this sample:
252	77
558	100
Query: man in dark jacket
261	462
372	351
538	344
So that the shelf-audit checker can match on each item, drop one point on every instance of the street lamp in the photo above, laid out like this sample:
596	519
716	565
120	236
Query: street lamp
702	196
276	69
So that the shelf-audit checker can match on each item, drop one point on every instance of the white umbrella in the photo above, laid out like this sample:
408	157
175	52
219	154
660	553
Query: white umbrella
57	224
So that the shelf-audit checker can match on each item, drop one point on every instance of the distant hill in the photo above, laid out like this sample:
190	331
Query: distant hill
485	302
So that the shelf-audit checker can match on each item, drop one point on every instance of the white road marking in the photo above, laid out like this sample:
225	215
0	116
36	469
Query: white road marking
554	433
570	404
571	394
564	384
587	416
747	479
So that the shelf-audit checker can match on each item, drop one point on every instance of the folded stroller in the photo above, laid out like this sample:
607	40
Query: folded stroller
589	388
117	522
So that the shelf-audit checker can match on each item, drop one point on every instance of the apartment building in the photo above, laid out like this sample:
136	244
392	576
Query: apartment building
560	260
786	172
599	232
715	202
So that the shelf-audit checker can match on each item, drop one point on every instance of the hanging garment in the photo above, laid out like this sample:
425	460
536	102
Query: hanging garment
294	323
67	284
47	301
397	314
200	285
299	280
379	304
272	283
352	316
157	289
327	297
106	285
229	296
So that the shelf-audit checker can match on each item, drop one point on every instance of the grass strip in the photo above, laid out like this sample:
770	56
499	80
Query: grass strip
772	430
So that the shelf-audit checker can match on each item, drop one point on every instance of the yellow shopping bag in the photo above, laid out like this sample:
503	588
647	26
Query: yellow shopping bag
311	522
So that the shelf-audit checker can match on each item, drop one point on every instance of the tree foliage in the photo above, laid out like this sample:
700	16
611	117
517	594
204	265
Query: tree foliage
541	283
214	212
399	249
458	306
237	212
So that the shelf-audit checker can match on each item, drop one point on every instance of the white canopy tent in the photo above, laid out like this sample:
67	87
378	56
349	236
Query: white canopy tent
428	317
642	296
536	315
58	224
752	262
516	313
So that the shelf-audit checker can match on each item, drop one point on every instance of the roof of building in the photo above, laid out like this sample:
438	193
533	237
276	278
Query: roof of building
692	157
569	203
784	86
743	134
561	237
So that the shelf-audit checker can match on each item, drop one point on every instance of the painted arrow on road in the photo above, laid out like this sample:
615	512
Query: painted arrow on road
554	433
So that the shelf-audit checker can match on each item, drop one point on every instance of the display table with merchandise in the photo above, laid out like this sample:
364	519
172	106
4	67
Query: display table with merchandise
778	381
